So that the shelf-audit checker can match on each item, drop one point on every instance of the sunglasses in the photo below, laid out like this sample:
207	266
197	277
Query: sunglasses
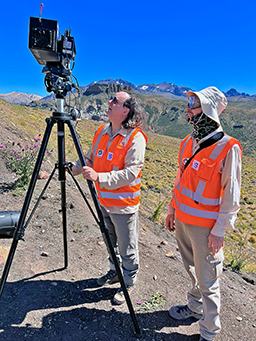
193	103
115	100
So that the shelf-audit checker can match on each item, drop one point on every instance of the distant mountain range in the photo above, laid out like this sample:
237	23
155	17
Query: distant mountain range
16	97
164	89
163	115
174	91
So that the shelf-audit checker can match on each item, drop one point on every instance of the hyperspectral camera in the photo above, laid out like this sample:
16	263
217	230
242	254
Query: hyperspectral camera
51	48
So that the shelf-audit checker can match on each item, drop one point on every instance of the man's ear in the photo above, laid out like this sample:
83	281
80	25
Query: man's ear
126	111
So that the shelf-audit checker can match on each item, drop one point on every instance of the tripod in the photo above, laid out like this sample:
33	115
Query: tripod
61	119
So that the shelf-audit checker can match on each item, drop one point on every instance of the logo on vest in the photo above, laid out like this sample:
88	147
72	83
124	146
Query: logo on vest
195	165
110	156
100	153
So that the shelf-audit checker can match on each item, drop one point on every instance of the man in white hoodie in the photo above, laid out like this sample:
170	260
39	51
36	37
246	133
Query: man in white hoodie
205	202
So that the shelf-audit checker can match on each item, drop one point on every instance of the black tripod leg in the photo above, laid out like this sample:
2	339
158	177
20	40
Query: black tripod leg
40	197
103	227
62	179
20	227
83	195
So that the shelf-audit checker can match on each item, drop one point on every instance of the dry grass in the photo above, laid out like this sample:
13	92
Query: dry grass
158	176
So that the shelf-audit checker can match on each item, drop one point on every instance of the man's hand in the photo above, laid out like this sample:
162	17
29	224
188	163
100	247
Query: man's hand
76	170
90	174
170	222
216	243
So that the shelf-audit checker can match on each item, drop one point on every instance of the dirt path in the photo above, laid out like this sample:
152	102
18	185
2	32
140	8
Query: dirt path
40	303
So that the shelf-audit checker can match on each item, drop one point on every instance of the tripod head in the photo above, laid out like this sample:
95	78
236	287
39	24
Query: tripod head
61	83
57	80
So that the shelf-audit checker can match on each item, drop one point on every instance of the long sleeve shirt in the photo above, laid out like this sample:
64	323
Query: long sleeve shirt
133	163
230	170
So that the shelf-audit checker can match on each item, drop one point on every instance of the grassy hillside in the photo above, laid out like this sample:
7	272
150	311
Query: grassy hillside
168	117
160	164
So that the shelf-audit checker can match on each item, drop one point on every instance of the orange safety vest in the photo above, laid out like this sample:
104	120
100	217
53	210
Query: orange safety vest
198	195
112	159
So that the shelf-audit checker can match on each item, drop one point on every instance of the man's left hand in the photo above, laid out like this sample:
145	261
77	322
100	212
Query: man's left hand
216	243
90	174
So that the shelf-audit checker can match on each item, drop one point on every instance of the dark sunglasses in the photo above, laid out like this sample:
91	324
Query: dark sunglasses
115	100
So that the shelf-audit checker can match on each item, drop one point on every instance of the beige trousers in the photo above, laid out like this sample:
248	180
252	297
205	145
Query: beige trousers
123	233
204	271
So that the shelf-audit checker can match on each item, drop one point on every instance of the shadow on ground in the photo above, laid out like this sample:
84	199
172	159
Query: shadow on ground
70	320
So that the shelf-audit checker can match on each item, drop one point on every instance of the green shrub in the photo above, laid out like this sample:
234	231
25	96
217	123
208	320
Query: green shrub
20	159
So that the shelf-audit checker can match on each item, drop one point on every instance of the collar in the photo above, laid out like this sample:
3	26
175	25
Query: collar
122	131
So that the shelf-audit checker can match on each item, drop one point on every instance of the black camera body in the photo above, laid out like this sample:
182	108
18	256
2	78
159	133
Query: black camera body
48	46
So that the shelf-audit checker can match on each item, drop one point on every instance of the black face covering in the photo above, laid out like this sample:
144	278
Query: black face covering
203	125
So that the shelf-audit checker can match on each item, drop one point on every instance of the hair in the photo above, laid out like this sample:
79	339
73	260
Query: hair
136	114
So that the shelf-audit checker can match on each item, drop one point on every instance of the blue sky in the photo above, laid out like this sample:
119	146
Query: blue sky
189	43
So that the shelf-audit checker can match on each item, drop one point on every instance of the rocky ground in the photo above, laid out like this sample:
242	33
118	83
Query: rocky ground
43	301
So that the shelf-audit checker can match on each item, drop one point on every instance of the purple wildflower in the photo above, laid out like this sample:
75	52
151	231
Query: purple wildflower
1	146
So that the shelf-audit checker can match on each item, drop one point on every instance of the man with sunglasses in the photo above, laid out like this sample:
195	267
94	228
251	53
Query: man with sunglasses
114	163
205	202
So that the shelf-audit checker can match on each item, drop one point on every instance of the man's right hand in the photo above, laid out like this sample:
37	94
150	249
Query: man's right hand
170	222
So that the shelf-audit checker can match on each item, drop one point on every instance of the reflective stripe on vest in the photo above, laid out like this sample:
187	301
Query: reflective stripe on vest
187	140
198	195
198	213
113	159
119	196
135	182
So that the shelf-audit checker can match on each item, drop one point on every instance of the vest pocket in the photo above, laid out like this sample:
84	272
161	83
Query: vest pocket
206	169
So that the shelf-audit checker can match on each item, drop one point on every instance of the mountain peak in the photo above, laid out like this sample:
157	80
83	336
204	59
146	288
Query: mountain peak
166	89
16	97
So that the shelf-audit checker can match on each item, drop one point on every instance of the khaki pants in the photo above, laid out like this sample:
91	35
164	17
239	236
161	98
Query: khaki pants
204	271
123	233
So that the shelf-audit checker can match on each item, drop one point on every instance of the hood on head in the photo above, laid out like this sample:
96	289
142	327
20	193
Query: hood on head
213	101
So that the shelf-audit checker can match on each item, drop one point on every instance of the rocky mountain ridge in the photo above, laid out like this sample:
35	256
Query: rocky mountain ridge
172	90
16	97
165	89
164	115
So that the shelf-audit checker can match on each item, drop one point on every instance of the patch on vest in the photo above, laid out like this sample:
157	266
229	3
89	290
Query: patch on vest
195	165
110	156
100	153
